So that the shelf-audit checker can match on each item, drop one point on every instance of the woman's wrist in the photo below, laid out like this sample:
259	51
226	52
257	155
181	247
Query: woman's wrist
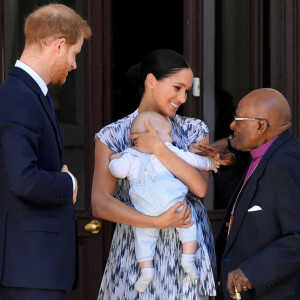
158	147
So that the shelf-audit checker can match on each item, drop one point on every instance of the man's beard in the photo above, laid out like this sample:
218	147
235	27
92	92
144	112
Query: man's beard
59	73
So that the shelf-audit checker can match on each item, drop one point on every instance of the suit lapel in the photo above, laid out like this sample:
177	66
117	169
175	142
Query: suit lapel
52	117
247	194
245	198
44	102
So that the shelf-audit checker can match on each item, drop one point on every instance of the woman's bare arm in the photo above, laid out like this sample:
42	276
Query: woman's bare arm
107	207
197	181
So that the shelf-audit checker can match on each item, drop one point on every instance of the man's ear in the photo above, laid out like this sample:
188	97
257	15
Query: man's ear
58	43
262	126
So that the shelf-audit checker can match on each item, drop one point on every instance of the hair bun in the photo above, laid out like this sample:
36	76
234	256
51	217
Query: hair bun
134	74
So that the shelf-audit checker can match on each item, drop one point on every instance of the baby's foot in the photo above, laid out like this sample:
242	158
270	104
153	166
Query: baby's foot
144	280
188	265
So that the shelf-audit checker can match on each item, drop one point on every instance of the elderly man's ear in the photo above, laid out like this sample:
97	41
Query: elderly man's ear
262	126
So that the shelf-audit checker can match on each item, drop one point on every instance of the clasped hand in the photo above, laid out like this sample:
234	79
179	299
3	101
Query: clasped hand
66	170
237	279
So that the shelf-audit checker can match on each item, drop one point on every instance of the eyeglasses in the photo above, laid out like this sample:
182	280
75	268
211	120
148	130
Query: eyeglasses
251	119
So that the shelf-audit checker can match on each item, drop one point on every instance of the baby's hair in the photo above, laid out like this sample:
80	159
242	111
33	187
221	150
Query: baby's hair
156	120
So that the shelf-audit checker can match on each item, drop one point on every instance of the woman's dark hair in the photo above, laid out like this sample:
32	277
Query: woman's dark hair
161	63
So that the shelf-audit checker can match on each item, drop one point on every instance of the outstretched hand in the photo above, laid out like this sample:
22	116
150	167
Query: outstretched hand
146	142
219	153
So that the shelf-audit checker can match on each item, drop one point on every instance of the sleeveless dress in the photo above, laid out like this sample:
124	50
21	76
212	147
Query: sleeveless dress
170	281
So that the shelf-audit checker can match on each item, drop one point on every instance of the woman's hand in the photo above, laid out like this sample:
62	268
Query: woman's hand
179	215
146	142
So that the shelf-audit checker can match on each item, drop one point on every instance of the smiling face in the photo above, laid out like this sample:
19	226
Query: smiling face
65	62
245	132
166	95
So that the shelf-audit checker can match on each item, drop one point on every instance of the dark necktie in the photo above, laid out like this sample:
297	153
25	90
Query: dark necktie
51	103
57	125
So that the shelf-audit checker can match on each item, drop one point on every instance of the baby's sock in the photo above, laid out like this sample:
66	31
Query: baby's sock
144	280
188	265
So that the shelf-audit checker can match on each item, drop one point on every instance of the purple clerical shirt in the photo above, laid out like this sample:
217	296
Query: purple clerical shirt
257	155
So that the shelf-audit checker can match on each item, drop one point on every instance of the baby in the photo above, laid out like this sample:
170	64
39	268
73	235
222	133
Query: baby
153	190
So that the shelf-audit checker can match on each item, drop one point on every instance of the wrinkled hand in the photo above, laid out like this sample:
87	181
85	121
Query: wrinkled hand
179	215
238	279
220	154
146	142
66	170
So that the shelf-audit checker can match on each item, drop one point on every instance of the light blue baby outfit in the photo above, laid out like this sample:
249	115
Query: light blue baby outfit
152	193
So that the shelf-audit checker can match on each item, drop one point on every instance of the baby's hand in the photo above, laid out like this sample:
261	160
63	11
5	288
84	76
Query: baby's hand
115	156
193	148
215	165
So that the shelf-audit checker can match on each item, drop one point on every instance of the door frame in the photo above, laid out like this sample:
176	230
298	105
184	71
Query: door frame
193	52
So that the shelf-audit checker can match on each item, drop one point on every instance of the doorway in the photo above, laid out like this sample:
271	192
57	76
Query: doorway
139	28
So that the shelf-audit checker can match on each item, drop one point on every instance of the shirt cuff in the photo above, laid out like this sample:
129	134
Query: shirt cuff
73	180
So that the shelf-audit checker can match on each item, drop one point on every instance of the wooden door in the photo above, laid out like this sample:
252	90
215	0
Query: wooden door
94	248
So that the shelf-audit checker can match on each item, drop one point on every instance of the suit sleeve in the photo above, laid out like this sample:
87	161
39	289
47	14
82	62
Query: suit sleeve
280	259
21	133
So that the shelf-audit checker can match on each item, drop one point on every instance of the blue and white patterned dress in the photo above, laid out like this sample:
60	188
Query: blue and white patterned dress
170	281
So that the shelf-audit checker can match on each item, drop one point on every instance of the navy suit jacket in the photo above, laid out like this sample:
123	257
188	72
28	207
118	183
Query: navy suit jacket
37	217
265	244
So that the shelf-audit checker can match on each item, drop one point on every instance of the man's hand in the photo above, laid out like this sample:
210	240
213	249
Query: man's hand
66	170
148	141
75	192
179	215
219	153
238	279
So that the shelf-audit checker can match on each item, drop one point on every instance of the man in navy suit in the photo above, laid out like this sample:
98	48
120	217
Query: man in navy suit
258	247
37	191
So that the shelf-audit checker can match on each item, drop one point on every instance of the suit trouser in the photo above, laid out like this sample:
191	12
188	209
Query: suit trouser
14	293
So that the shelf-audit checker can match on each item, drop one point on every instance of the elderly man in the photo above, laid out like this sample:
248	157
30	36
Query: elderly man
258	247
